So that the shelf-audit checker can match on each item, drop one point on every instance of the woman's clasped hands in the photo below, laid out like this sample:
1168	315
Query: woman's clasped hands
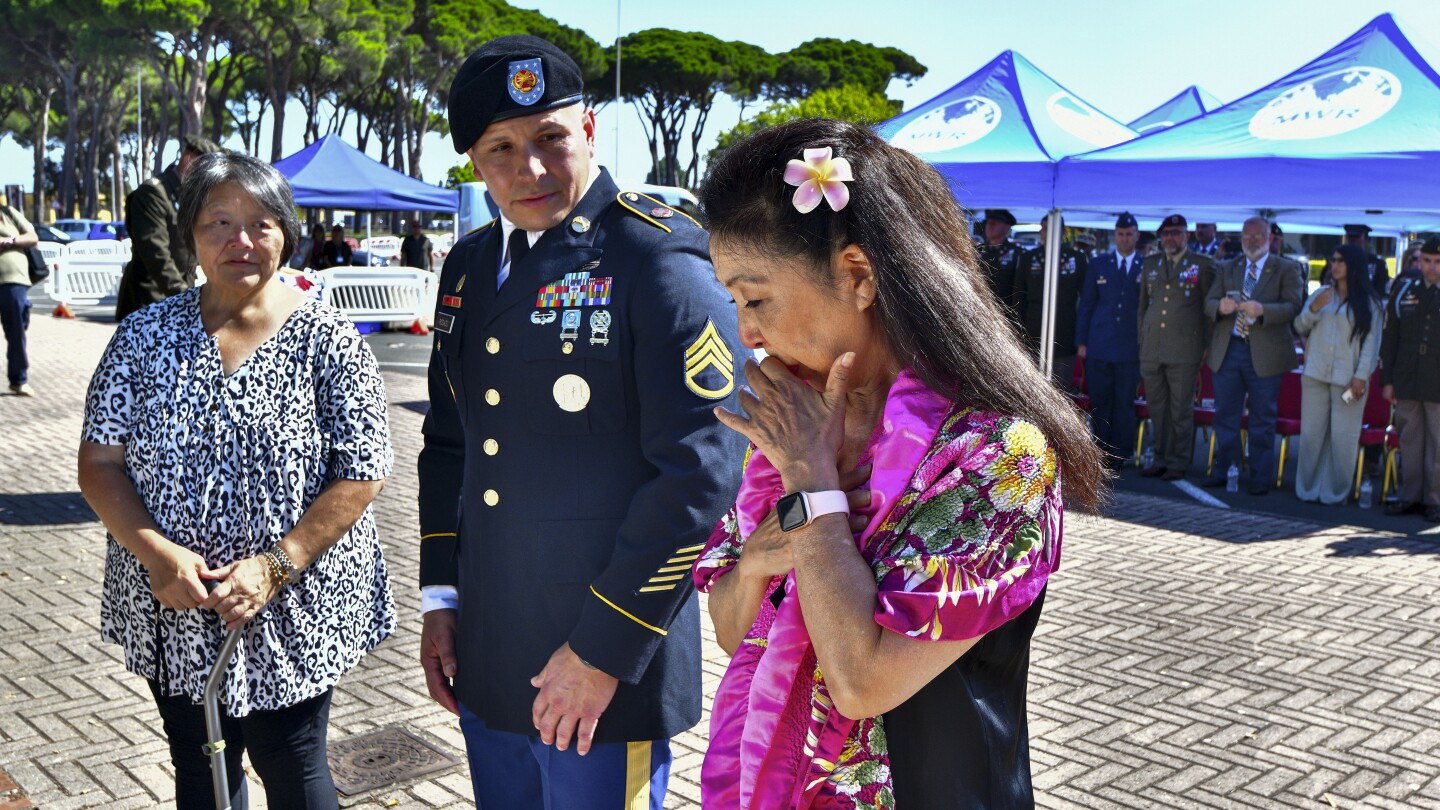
179	577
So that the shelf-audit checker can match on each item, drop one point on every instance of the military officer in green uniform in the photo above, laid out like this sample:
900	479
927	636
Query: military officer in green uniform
999	255
1359	235
572	466
1029	300
1410	379
1173	338
160	265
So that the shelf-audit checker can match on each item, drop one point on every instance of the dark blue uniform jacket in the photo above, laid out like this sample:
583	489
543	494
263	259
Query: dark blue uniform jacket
1109	309
572	467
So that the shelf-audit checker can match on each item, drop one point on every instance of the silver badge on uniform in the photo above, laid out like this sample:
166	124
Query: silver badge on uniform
444	322
570	325
542	318
579	224
600	327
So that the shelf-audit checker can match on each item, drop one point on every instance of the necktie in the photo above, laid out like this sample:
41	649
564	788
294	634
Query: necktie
1242	322
515	250
1125	268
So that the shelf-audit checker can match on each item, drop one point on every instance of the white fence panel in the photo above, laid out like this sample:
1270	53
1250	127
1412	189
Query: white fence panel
380	294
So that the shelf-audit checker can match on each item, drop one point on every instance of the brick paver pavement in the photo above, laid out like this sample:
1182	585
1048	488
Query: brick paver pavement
1188	657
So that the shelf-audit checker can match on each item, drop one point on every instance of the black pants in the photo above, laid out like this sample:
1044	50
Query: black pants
15	319
287	748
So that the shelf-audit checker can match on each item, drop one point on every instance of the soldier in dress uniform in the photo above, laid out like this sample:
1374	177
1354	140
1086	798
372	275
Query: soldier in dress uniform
1205	243
1359	236
160	265
1173	285
572	466
1410	379
999	255
1029	300
1105	339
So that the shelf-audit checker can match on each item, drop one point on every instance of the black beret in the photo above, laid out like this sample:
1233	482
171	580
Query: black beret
196	145
1431	246
506	78
999	214
1275	229
1174	220
1357	230
1125	220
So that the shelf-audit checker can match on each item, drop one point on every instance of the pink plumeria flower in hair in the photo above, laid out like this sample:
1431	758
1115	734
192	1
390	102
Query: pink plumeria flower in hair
819	176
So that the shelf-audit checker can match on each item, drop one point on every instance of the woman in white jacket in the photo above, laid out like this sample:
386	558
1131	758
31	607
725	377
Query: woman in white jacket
1343	321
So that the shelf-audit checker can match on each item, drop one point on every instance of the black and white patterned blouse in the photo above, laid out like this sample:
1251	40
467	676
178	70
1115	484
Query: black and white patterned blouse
226	466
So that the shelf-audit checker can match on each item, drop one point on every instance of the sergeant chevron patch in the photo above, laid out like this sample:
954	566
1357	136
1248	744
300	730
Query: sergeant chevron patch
709	365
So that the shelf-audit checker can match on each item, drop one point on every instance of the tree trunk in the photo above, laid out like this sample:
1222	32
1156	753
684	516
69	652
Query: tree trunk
42	136
66	194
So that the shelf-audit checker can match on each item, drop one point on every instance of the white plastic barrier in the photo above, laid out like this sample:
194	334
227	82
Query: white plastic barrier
100	247
381	247
86	279
380	294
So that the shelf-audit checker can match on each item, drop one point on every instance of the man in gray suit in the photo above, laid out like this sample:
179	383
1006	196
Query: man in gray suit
1252	302
1172	341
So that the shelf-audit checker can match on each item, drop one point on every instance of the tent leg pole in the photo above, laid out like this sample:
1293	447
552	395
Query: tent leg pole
1052	276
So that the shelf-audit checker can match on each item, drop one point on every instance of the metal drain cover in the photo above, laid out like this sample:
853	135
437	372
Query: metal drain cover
382	758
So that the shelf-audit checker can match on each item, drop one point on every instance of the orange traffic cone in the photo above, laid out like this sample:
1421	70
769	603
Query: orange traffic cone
419	328
63	311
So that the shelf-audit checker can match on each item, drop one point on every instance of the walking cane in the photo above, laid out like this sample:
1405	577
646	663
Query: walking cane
214	746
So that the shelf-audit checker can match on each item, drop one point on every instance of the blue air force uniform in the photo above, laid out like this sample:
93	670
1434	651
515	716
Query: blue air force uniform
572	466
1109	303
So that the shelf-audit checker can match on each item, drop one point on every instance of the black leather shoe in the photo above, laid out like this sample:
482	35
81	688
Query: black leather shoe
1153	472
1173	475
1404	508
1214	482
1260	489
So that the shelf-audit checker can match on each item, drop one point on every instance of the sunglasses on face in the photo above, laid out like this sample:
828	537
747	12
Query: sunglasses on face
1172	232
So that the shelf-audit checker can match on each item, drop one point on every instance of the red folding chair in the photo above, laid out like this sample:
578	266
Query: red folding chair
1142	415
1287	419
1080	390
1376	430
1205	411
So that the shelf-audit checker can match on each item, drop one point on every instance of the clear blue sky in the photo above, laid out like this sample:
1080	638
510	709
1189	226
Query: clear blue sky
1123	56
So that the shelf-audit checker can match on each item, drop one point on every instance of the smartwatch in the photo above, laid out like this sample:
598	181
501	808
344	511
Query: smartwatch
800	508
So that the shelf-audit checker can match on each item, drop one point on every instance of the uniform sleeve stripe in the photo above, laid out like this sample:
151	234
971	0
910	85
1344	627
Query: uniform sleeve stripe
670	569
652	588
671	578
686	560
689	549
627	614
437	534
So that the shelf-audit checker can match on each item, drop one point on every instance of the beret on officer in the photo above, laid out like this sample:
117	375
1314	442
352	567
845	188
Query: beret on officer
1000	215
1431	246
1275	229
1357	230
1175	220
1125	220
506	78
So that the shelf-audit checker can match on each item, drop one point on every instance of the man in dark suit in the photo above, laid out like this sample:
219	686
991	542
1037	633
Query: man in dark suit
1106	341
572	467
1029	298
1379	271
1205	243
1251	303
337	252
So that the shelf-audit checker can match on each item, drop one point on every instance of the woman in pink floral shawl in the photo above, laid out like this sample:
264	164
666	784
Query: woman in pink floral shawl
883	569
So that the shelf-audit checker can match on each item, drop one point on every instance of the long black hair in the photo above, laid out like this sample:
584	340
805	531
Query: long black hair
1361	293
933	305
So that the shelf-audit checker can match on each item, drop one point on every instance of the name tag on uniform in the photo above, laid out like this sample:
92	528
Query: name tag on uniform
444	322
1102	280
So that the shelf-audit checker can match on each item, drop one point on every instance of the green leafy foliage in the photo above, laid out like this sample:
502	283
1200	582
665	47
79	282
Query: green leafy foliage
847	103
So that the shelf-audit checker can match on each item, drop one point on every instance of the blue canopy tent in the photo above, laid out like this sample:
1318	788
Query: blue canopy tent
331	173
997	134
1188	103
1350	136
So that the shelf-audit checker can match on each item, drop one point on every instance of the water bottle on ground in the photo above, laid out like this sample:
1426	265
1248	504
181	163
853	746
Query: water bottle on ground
1147	458
1367	494
1232	479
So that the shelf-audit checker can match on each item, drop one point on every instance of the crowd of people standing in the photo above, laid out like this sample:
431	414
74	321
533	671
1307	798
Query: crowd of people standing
1201	323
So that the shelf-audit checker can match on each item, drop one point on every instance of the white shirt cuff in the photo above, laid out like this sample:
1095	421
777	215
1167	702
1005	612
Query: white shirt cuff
439	597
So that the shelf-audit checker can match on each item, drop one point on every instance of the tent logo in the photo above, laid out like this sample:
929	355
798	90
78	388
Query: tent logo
1330	104
959	123
1083	121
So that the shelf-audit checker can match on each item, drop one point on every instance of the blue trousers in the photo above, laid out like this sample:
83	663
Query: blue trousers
519	772
15	319
1234	382
1112	389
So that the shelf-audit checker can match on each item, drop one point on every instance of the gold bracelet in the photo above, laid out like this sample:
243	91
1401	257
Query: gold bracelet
289	573
274	567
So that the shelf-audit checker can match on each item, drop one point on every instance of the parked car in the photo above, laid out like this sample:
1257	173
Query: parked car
91	229
49	234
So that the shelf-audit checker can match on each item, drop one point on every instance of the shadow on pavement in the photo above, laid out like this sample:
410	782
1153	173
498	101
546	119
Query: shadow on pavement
1380	546
44	509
